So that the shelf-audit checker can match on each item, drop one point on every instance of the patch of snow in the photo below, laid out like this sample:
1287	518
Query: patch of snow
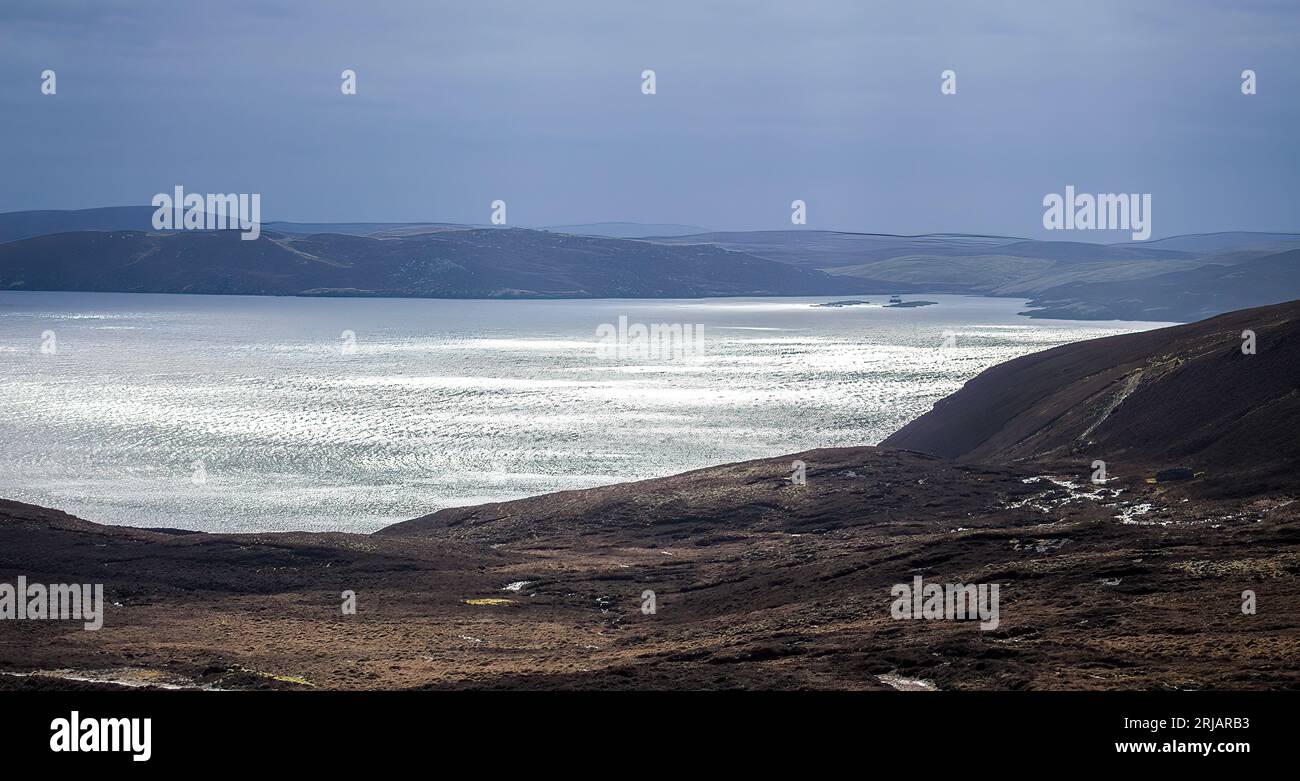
1131	513
1046	502
907	684
124	676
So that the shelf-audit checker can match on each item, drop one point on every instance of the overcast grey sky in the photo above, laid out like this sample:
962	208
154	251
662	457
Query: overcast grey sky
758	103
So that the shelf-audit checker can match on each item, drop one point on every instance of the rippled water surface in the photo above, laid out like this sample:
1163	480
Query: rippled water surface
241	413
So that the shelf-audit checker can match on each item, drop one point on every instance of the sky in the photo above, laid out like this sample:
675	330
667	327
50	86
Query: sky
833	102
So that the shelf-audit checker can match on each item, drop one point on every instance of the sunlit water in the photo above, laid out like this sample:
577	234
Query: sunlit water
243	413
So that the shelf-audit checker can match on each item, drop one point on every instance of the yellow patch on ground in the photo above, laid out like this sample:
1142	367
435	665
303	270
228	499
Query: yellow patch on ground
283	678
489	601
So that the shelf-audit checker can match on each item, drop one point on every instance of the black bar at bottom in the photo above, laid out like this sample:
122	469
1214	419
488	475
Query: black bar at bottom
298	730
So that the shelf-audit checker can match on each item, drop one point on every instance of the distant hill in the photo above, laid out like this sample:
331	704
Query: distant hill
1208	243
1183	295
362	228
626	230
832	249
29	224
468	263
26	224
1181	278
1079	251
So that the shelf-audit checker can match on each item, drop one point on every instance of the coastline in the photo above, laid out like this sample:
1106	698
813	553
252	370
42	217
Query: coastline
1105	586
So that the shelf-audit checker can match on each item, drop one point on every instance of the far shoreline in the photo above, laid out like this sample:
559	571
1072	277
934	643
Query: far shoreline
1025	302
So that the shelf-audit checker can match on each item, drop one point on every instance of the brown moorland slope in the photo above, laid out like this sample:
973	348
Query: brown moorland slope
759	584
1181	396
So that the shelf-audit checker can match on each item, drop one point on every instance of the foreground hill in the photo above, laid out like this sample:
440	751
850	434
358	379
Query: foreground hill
472	263
1182	396
736	576
757	583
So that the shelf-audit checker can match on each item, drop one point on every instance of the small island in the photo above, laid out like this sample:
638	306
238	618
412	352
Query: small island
906	304
834	304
